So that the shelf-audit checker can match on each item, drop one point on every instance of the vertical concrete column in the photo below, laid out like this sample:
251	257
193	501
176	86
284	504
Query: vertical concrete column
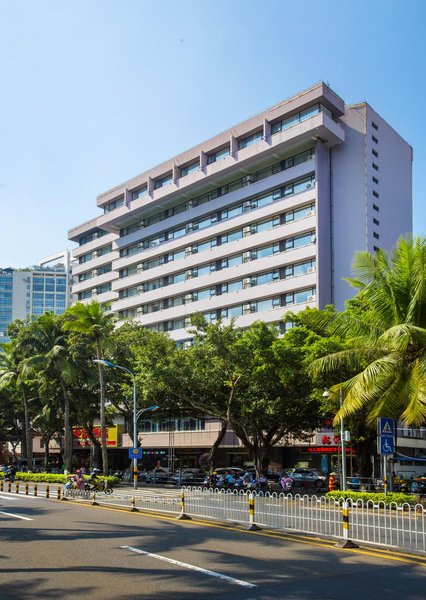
150	186
203	161
233	145
175	174
267	131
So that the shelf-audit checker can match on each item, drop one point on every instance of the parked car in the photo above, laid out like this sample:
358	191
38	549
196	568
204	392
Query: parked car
418	486
307	478
157	476
189	477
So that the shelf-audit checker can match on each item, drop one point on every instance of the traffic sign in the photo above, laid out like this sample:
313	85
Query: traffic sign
386	426
386	445
135	452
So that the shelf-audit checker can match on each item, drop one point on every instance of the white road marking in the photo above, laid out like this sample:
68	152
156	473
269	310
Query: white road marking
192	567
8	498
15	516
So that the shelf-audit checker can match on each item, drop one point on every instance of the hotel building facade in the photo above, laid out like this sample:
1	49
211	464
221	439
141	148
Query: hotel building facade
258	220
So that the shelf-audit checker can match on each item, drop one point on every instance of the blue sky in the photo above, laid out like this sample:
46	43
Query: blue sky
95	92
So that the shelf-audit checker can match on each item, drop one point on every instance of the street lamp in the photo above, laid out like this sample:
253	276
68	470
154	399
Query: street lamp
107	363
326	394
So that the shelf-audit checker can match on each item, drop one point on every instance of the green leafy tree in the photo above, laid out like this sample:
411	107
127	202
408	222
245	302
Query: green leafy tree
96	322
386	334
51	358
14	379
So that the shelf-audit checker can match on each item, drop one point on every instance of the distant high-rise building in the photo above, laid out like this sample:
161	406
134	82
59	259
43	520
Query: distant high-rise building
258	220
34	290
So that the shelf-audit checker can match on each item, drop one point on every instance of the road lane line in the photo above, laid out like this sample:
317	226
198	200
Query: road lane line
192	567
15	516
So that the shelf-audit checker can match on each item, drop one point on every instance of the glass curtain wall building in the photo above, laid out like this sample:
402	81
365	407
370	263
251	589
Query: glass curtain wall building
35	290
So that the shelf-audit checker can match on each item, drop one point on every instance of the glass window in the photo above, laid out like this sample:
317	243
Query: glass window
192	168
167	179
265	305
249	140
219	155
142	191
235	311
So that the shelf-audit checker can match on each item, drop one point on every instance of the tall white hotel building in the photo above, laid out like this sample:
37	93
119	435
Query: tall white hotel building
260	219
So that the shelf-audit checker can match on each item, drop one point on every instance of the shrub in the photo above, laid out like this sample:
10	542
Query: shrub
52	478
390	498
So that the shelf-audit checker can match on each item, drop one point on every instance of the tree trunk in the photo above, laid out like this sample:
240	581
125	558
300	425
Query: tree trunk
67	428
103	416
261	455
212	452
46	441
27	425
95	450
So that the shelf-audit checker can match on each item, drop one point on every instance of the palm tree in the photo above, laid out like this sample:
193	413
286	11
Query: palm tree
387	331
96	322
11	375
51	356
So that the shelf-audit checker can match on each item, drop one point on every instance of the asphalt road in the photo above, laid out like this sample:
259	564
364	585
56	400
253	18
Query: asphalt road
52	549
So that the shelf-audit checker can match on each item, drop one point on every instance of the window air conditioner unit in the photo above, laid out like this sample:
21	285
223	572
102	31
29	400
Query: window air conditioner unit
95	254
95	273
213	218
246	282
187	321
189	275
247	180
187	344
189	227
139	268
312	269
247	231
312	298
139	310
246	256
188	251
311	156
189	298
247	206
310	213
94	291
95	235
190	203
313	239
247	309
140	289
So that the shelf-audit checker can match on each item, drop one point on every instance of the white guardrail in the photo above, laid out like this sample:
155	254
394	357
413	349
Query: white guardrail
402	527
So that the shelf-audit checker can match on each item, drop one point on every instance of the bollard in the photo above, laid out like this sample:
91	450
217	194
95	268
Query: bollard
252	525
47	491
183	516
1	485
9	487
94	503
27	488
35	489
134	509
64	498
17	487
58	493
346	542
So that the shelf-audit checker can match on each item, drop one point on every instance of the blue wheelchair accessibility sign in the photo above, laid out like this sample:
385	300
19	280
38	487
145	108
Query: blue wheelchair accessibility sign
387	445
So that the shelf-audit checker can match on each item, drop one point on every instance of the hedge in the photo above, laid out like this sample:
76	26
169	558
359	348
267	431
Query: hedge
53	478
390	498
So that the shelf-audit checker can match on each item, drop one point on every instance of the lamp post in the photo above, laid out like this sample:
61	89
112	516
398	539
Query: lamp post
108	363
326	394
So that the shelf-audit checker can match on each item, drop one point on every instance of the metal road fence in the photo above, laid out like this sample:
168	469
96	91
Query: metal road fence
393	526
